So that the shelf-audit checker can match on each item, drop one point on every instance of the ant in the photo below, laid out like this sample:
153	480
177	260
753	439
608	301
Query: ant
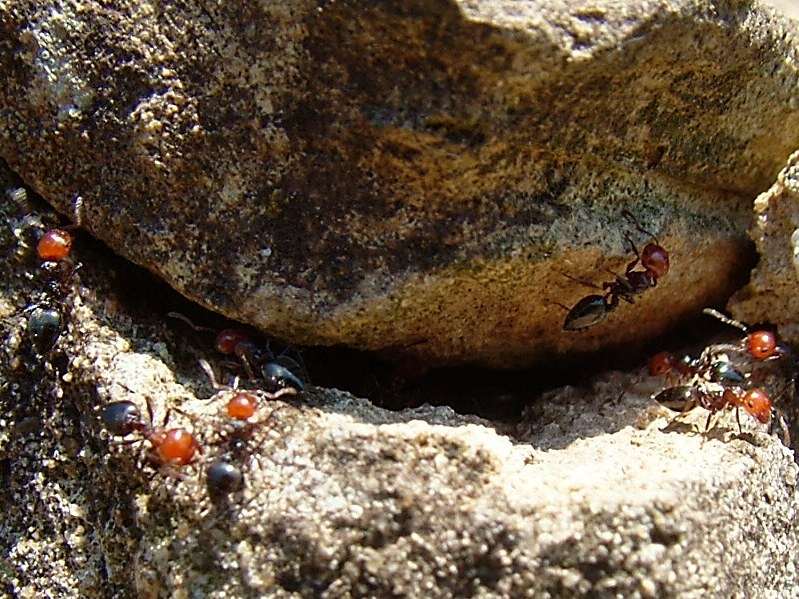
168	446
54	247
715	381
715	367
715	398
224	476
279	371
757	346
595	308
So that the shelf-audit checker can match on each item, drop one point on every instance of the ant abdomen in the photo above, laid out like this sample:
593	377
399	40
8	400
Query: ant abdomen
588	312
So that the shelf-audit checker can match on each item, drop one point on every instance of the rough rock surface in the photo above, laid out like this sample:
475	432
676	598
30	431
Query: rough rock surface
771	293
586	496
414	176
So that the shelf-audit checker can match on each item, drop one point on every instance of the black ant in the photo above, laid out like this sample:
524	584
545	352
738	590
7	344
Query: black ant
594	308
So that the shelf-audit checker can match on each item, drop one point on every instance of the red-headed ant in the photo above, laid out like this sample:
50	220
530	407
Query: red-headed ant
756	347
715	398
759	345
278	371
168	446
46	318
224	474
594	308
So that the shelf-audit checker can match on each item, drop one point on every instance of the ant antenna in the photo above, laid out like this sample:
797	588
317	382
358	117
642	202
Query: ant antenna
634	222
726	319
179	316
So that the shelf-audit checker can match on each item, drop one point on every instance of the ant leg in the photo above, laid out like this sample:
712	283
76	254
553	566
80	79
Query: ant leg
280	393
707	427
559	304
738	420
687	407
784	434
612	301
210	374
617	289
150	410
248	368
581	281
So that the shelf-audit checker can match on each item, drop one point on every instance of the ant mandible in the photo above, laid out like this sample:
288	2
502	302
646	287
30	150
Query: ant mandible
594	308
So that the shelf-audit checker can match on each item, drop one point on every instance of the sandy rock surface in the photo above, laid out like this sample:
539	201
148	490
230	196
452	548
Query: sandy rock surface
414	177
590	493
771	293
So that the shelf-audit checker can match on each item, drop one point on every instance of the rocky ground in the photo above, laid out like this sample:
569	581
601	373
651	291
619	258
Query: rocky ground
314	185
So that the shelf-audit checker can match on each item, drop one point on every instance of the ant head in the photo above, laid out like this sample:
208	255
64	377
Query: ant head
227	340
55	245
757	403
655	260
762	345
662	363
242	406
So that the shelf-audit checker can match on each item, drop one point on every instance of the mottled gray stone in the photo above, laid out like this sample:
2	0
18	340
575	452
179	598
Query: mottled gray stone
408	176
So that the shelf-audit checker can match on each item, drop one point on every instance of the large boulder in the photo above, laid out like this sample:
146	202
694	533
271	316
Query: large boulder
417	177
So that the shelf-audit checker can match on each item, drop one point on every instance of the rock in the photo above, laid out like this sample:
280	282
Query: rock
413	177
771	293
585	496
